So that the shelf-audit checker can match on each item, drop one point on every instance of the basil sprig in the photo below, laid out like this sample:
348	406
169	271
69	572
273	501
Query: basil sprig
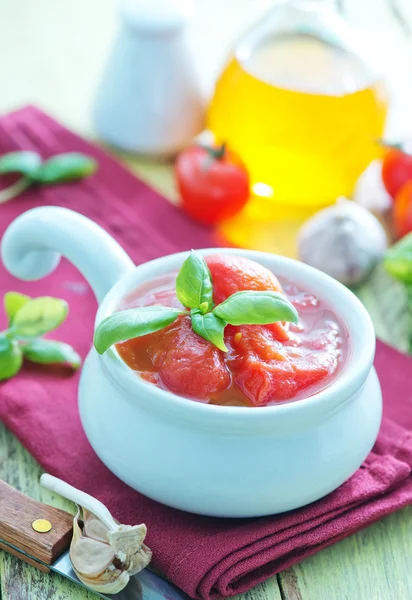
194	289
256	308
194	284
132	323
210	327
34	170
30	318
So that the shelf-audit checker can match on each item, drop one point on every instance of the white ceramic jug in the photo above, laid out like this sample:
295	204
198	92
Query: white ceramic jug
149	99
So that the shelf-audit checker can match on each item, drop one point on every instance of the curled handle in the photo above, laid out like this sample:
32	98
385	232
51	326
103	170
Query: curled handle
34	242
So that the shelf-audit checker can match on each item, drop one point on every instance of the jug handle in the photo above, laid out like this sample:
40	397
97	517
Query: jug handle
33	244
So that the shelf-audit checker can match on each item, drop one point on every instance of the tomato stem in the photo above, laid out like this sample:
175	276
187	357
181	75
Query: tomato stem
219	152
395	146
215	153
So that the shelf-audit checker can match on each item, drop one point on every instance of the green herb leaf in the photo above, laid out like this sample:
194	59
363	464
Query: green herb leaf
132	323
204	307
398	259
11	358
38	316
65	167
13	301
194	283
51	352
256	308
27	163
209	327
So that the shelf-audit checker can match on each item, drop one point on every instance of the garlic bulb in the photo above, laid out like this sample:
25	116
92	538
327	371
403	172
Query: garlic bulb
104	554
345	241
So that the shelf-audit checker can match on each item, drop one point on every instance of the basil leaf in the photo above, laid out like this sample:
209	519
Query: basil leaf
65	167
39	316
209	327
194	283
132	323
27	163
48	352
398	259
11	358
13	301
256	308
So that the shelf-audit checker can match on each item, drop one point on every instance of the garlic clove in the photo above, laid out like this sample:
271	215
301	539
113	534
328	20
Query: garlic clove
88	556
111	582
103	552
125	541
94	527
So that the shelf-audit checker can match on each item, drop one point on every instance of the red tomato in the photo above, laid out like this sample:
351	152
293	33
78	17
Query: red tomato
186	363
213	183
231	274
402	211
396	170
265	371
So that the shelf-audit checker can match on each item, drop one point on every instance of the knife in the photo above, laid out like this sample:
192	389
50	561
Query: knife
20	519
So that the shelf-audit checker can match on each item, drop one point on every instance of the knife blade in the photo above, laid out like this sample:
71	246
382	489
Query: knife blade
49	550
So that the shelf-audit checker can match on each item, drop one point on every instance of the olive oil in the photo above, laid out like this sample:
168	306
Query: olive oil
304	115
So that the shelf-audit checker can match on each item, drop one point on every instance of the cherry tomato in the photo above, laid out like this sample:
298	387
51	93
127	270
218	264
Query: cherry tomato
402	211
213	183
396	170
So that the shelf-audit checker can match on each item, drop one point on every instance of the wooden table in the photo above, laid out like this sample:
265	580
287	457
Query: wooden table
52	55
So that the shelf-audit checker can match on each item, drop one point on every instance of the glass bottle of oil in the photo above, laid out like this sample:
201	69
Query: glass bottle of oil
302	104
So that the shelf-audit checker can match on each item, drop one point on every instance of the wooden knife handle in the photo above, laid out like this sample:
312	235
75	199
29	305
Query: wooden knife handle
17	513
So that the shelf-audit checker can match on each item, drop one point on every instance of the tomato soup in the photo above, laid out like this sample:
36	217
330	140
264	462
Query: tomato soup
264	365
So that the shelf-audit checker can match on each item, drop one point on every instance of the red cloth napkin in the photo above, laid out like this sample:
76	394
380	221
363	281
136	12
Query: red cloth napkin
206	557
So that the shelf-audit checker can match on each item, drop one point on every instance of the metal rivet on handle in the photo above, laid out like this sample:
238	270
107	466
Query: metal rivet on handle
41	525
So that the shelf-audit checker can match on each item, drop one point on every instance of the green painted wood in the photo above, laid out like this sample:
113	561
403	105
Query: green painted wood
374	564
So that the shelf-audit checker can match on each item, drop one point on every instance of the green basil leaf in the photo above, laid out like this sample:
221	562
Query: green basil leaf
194	283
132	323
27	163
38	316
48	352
11	358
256	308
209	327
398	259
65	167
13	301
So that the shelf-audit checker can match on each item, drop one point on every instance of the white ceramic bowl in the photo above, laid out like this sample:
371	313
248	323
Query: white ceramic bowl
212	460
234	461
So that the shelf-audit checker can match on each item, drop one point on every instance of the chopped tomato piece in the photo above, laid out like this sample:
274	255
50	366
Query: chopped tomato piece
232	274
188	364
265	370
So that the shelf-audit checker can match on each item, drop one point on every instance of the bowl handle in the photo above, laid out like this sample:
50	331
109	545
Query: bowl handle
34	242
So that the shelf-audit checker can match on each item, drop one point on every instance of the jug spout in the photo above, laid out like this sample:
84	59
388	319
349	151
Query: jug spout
33	244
